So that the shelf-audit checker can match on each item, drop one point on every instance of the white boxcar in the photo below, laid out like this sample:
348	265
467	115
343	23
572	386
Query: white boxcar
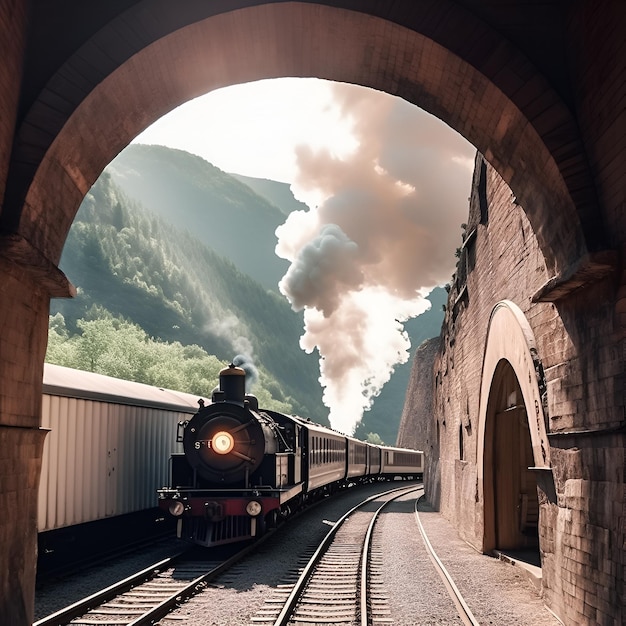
108	448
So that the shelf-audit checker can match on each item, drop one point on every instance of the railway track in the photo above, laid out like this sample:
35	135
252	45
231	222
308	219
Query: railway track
466	615
338	581
147	596
341	582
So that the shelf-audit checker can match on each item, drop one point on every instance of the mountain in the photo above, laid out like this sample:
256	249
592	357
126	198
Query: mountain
138	266
278	194
222	212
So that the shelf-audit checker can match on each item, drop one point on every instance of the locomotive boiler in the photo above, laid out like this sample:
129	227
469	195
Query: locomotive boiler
244	468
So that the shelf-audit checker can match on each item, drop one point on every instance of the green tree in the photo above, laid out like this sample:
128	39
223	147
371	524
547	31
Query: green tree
375	439
57	325
116	347
61	347
111	346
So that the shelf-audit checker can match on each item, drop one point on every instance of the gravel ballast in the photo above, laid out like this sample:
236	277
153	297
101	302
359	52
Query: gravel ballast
496	592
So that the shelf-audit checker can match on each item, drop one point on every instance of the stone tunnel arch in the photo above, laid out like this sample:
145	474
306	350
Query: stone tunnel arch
512	442
505	108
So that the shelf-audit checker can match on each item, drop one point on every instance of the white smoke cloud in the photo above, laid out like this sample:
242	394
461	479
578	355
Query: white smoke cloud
381	236
324	268
359	344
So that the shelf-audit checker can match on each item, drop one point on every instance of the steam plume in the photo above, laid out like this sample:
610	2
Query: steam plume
247	365
382	237
230	329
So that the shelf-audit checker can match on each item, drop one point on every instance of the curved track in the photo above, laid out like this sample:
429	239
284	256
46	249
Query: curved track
340	583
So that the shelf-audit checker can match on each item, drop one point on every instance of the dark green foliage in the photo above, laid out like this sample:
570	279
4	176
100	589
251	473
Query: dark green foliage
116	347
223	213
176	290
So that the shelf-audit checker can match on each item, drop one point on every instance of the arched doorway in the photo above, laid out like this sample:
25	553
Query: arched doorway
512	443
511	485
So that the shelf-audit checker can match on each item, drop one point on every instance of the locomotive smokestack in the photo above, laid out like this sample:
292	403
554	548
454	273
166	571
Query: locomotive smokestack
233	384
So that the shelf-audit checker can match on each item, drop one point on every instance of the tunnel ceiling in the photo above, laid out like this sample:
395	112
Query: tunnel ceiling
97	75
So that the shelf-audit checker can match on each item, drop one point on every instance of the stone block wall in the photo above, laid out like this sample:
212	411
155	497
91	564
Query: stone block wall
24	307
580	351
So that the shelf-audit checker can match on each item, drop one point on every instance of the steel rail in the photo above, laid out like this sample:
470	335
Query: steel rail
296	592
65	615
365	562
82	607
365	621
193	588
463	609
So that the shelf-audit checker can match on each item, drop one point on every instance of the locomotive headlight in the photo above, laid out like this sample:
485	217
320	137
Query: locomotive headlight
223	442
176	508
253	508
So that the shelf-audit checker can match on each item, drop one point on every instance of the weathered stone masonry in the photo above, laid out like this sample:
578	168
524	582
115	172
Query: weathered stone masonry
24	307
580	359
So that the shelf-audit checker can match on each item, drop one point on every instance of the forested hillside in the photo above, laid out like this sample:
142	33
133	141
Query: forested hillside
222	212
135	265
163	240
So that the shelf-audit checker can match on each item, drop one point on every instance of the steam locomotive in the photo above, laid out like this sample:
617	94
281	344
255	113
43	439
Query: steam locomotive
244	469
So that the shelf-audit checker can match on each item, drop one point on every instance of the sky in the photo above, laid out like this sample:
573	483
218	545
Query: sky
387	186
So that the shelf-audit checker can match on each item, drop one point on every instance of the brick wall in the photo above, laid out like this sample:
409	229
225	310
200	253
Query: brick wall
578	343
